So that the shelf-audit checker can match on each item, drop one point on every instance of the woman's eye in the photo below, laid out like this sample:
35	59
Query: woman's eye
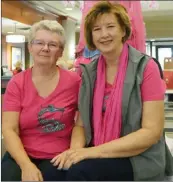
52	45
40	43
96	29
110	26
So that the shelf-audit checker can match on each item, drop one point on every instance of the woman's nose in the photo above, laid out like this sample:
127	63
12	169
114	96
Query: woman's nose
104	32
46	47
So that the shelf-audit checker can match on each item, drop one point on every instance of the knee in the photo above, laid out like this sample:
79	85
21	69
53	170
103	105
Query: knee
10	171
73	174
10	175
77	172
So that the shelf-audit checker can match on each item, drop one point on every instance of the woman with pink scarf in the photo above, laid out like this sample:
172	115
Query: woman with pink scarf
119	132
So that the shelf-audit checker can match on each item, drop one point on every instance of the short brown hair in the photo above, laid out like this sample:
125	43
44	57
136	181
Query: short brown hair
106	7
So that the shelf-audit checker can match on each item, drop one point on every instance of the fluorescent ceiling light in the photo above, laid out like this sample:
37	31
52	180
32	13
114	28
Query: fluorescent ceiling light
41	7
10	32
15	38
68	8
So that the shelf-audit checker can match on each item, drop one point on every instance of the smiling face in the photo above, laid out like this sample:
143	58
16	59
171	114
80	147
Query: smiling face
45	48
107	33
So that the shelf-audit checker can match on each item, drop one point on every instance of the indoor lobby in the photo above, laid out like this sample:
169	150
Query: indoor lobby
156	32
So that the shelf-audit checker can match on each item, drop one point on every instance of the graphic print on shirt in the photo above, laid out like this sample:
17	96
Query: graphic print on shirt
50	125
104	103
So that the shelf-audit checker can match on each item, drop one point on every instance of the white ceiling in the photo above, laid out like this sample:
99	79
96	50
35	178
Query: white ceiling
159	19
161	8
60	8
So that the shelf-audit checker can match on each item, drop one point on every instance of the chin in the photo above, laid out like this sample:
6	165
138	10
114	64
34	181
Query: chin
42	62
106	51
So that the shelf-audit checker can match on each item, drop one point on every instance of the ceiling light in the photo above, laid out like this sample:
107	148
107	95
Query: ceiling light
68	8
15	38
40	7
10	32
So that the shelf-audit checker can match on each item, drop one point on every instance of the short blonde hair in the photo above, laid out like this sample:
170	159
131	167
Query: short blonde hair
50	25
18	64
103	7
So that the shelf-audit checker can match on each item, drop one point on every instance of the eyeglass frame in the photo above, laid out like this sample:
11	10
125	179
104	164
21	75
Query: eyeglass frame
36	41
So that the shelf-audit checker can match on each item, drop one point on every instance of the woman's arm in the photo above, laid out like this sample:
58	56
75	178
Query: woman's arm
78	135
10	130
130	145
139	141
13	144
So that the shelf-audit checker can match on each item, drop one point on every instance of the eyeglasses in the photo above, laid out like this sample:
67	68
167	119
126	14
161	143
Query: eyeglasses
40	44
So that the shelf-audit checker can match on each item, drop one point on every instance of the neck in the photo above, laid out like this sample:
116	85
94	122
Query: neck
112	59
44	71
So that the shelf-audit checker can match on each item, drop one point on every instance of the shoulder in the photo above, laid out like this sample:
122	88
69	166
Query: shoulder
137	57
153	86
19	78
70	76
152	67
151	75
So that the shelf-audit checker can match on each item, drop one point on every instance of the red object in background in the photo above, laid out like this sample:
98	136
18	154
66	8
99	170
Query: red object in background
168	77
17	70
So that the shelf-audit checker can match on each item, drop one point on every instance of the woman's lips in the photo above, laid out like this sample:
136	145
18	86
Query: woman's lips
44	56
106	42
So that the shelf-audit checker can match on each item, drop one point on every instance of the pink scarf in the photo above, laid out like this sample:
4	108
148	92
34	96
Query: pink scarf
109	127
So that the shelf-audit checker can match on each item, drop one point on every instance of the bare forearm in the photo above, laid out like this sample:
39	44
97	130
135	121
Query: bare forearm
127	146
15	147
78	138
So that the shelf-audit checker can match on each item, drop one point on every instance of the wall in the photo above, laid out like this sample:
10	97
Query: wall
69	26
4	50
163	43
77	36
160	26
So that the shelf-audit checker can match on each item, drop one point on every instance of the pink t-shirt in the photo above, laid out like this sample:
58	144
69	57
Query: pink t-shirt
45	123
152	88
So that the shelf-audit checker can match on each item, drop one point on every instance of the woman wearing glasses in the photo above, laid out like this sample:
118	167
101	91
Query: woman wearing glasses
39	108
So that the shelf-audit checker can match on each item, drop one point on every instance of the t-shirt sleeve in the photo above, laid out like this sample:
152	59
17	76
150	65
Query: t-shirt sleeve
153	86
12	97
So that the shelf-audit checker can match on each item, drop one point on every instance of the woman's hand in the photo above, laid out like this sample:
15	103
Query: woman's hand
73	156
60	159
31	173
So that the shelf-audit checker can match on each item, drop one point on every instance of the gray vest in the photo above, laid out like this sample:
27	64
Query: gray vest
154	163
